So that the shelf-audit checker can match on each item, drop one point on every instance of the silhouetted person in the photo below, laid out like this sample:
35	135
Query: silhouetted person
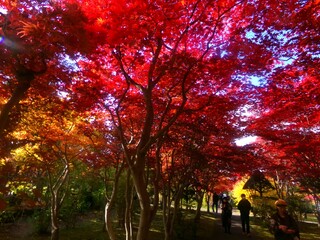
283	225
245	206
215	202
226	214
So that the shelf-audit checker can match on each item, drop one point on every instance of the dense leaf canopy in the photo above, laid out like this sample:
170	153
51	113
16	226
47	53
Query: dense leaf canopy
166	85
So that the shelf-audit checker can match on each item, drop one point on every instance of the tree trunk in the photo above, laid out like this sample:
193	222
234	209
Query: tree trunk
17	95
317	209
170	215
144	202
199	196
110	204
165	214
54	217
24	77
57	199
128	212
208	197
54	234
108	220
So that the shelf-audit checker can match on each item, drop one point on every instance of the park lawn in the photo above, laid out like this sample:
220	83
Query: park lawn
308	231
187	230
90	227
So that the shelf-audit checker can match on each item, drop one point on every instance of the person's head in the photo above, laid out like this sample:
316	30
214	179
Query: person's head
281	205
243	195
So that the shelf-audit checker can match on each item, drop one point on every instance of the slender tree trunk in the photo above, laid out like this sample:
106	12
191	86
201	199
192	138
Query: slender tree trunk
144	201
199	196
108	220
165	214
54	216
57	199
129	202
208	197
110	204
147	212
317	209
171	214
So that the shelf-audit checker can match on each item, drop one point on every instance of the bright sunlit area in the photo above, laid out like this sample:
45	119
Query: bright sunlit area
245	140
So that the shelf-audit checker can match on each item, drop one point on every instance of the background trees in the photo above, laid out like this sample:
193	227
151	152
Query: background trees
171	84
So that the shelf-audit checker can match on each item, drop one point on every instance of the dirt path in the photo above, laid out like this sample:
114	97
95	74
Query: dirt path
216	231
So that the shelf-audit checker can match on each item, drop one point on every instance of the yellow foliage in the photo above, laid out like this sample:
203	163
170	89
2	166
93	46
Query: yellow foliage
251	195
238	190
100	21
2	162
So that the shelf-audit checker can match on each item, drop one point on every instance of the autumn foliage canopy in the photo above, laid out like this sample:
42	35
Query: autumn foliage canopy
162	85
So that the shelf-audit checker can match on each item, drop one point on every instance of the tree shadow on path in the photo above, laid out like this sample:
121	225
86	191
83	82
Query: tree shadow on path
210	228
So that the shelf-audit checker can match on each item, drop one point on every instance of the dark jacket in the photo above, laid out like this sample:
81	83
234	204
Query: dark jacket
226	210
244	206
276	221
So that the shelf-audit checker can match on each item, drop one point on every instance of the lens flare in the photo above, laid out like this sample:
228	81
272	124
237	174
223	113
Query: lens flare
11	44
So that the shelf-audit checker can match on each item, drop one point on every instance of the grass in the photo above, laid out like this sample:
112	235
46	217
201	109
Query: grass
308	231
89	227
311	218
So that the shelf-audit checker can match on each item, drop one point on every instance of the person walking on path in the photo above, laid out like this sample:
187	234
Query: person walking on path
282	224
245	207
226	214
215	202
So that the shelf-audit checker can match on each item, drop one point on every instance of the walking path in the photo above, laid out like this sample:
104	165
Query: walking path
216	231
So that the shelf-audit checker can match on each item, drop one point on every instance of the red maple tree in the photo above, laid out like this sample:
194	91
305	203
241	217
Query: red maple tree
148	65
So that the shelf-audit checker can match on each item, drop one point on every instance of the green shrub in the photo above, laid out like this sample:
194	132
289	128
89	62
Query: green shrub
41	221
263	208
